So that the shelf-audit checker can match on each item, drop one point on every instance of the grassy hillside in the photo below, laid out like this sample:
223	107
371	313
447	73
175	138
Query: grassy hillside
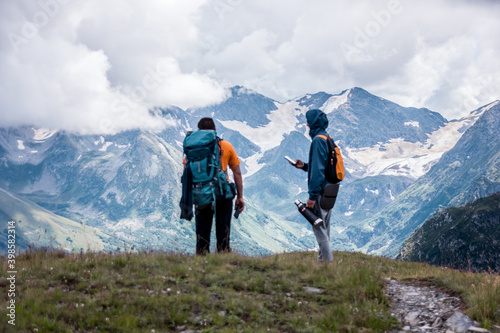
158	292
37	225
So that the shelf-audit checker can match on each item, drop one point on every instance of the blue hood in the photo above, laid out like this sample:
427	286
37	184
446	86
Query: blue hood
318	122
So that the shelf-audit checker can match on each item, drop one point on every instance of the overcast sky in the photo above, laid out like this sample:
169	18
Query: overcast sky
98	66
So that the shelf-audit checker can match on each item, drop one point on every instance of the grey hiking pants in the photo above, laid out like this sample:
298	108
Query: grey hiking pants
322	233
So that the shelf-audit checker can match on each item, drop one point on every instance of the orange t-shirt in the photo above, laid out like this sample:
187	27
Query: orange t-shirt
227	154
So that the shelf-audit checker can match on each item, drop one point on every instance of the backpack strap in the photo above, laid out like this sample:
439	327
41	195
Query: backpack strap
331	143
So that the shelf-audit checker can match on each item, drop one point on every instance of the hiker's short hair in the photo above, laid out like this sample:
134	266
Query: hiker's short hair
206	123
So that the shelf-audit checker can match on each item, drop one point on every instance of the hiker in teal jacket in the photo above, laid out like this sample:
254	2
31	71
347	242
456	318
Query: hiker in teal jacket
318	156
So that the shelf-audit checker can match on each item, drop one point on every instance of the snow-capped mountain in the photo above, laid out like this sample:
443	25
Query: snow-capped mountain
381	137
127	185
377	137
470	170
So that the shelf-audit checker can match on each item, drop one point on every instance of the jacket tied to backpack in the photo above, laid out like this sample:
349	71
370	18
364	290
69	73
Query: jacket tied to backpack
203	180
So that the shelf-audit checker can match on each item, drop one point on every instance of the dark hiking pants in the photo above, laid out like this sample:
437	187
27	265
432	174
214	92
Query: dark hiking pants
204	218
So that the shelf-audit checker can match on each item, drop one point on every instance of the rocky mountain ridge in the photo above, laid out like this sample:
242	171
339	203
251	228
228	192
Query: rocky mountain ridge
466	237
470	170
127	185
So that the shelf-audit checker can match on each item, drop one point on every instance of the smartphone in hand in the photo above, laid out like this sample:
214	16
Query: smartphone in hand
290	160
237	212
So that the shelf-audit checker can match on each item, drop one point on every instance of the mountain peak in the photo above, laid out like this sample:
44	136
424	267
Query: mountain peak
241	90
243	105
357	93
236	91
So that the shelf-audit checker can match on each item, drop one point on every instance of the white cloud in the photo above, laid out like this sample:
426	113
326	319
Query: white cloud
425	54
104	74
97	66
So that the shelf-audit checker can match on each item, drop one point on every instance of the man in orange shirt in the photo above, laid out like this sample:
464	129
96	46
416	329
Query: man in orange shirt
223	207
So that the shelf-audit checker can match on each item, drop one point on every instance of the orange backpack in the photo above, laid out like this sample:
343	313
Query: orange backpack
334	171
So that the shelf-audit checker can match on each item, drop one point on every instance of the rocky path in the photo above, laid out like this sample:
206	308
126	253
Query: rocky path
426	309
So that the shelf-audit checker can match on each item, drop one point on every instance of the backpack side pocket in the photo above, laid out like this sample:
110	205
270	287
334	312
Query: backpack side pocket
329	196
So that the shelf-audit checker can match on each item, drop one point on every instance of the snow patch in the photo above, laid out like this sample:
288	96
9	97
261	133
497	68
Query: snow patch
252	164
282	121
368	228
20	145
398	157
130	224
340	230
348	214
334	102
105	146
489	106
42	134
100	141
412	123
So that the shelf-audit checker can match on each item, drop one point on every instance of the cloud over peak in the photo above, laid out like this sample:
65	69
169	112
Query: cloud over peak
100	66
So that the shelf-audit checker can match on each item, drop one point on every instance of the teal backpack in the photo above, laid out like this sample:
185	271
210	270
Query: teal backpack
203	180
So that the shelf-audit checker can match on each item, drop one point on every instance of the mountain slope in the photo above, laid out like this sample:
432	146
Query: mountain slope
39	227
128	185
356	118
467	237
364	120
468	171
242	105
